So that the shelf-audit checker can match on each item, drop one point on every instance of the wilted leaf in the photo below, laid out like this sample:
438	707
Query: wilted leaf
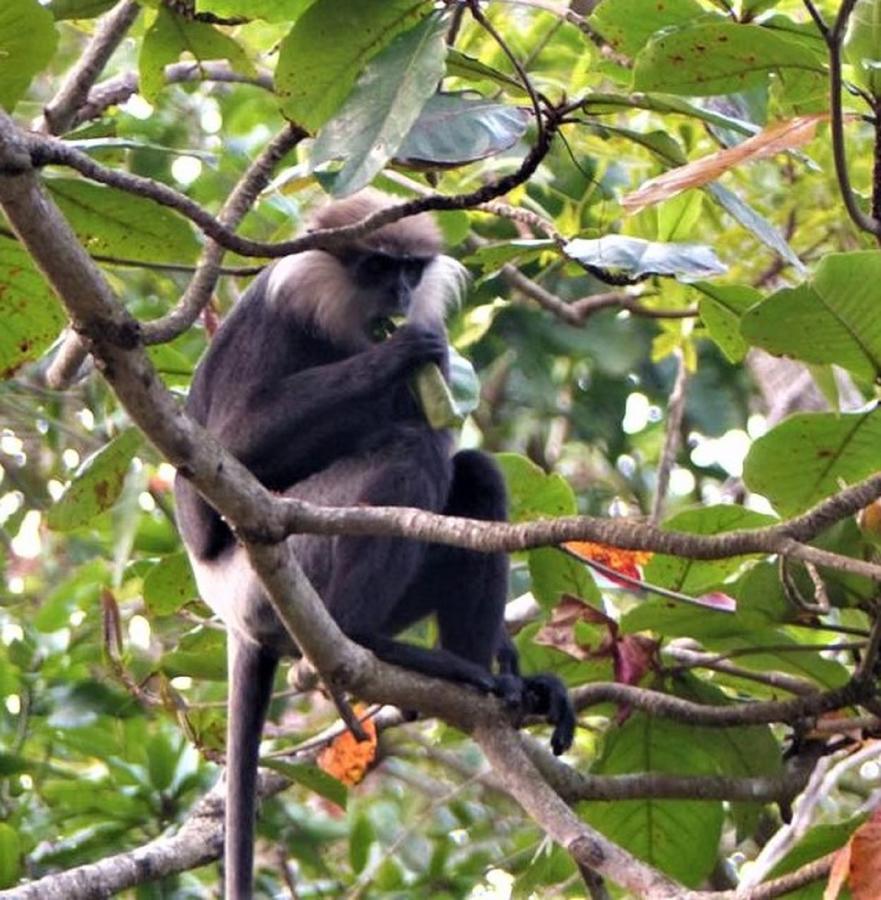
865	874
637	257
779	137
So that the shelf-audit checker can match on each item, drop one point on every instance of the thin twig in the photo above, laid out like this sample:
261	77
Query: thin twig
672	437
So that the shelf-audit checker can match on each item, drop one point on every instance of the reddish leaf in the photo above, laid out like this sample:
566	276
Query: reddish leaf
717	600
865	852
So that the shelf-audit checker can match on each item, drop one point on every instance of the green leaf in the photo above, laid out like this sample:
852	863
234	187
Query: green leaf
169	585
115	223
201	654
744	752
361	838
748	218
170	35
636	257
268	10
678	836
27	43
494	256
456	129
468	328
532	493
831	319
317	780
464	384
810	456
628	24
555	573
32	317
97	483
693	576
862	44
79	9
717	58
471	69
381	109
161	761
817	842
678	216
328	48
721	307
10	856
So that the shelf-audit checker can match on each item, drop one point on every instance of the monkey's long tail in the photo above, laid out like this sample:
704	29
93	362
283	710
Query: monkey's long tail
251	671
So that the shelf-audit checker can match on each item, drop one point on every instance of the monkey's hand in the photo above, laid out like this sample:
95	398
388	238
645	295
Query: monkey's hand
545	696
412	346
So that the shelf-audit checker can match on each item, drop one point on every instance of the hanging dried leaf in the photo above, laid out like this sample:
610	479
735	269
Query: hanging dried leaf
348	759
779	137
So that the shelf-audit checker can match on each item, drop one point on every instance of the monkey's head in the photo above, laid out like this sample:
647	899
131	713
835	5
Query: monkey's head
397	270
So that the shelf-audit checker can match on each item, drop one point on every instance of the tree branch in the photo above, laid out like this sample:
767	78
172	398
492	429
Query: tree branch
61	111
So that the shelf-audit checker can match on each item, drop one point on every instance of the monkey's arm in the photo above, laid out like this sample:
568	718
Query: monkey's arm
286	431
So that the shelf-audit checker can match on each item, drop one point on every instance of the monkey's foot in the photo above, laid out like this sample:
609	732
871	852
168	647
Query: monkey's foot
544	696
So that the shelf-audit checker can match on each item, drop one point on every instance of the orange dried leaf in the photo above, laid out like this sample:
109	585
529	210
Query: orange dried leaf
347	759
626	562
779	137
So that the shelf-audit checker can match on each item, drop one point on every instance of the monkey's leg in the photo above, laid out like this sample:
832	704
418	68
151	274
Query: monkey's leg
251	671
468	590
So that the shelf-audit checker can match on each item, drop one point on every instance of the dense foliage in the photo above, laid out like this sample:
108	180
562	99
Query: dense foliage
704	355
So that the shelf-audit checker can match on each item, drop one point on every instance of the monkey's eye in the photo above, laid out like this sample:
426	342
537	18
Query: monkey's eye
376	269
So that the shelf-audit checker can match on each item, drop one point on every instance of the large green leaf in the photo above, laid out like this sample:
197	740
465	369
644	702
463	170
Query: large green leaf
678	836
555	573
32	318
97	483
79	9
27	43
376	117
169	585
695	576
635	256
831	319
717	58
115	223
171	35
722	307
328	48
532	493
628	24
269	10
454	129
810	456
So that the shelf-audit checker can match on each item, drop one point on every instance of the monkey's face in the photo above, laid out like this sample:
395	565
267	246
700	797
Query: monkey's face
387	282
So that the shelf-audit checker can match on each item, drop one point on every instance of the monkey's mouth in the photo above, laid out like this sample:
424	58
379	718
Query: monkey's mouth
381	328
